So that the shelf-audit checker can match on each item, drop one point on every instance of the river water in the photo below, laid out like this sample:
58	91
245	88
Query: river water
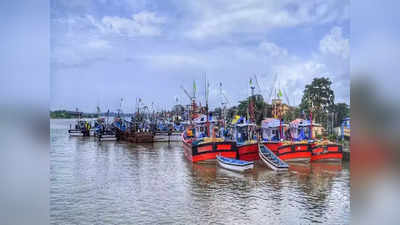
121	183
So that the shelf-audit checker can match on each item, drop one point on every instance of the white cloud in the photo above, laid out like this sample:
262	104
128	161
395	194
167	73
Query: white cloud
272	49
98	44
171	60
141	24
334	43
218	18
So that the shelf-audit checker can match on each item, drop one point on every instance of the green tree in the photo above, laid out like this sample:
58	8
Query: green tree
259	109
318	97
231	112
342	110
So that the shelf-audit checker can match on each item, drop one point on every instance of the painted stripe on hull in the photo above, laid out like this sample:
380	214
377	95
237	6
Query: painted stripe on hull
211	153
303	156
248	152
327	153
331	157
273	146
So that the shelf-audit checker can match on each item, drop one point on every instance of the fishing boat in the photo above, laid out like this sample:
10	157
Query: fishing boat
297	150
245	133
246	141
271	133
81	128
107	137
326	151
234	164
75	132
172	136
104	131
270	159
138	132
168	132
294	152
199	146
200	141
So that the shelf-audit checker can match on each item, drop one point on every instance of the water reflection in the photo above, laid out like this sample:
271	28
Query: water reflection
121	183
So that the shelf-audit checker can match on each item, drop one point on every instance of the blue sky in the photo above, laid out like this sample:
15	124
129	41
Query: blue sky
102	51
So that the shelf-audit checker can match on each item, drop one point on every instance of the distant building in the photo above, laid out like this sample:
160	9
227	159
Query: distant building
279	109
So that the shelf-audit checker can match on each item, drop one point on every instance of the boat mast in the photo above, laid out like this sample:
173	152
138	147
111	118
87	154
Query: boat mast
206	98
250	109
311	125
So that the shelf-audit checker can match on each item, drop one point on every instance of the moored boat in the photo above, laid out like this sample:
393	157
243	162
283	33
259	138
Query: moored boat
246	141
81	128
298	150
294	152
107	137
198	146
234	164
207	148
167	136
270	159
327	152
320	150
271	133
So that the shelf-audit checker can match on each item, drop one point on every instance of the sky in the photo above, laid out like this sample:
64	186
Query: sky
102	51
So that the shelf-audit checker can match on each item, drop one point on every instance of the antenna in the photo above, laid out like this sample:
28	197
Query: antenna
272	88
257	84
286	97
120	106
187	93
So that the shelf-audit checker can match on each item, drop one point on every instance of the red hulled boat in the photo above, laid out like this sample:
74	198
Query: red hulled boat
327	152
246	142
273	131
321	150
245	133
294	152
198	147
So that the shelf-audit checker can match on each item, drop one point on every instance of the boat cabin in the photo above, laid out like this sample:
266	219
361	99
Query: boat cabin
244	132
300	129
203	127
270	129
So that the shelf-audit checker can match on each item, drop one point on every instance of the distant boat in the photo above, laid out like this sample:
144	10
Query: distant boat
234	164
107	137
269	158
167	137
81	128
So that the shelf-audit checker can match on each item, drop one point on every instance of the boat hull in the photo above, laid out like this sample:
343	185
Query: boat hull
208	151
237	168
294	153
269	161
273	145
163	137
74	132
107	137
138	137
327	153
248	152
